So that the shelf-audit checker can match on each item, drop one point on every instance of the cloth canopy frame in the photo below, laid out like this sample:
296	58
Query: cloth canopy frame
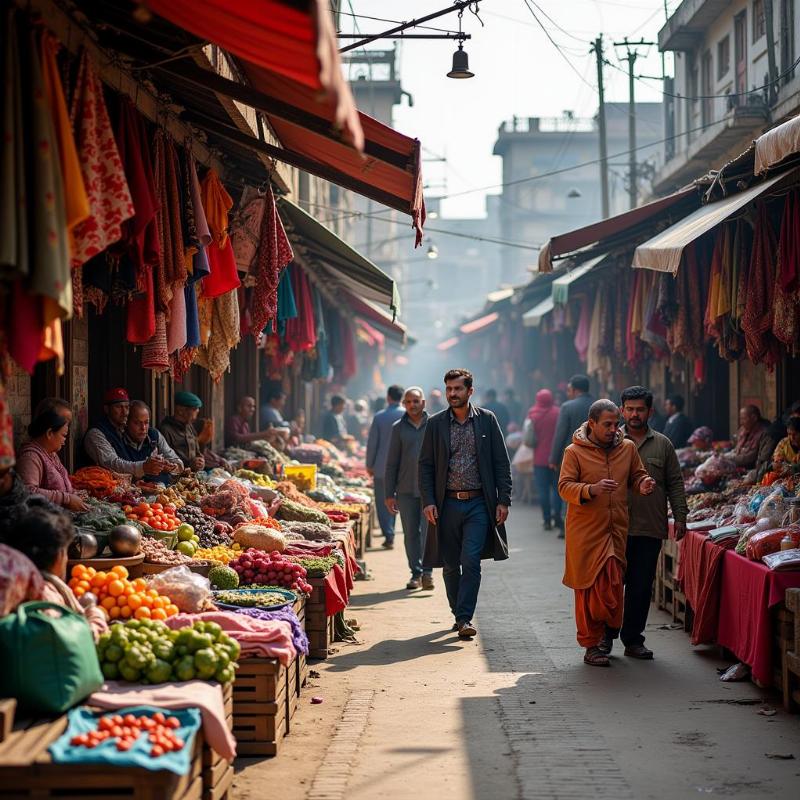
344	265
534	317
613	228
776	145
479	324
288	55
663	253
560	286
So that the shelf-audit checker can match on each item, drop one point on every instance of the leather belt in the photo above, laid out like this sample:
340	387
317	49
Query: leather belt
468	495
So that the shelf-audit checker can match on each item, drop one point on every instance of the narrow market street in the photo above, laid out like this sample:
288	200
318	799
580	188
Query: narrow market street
515	713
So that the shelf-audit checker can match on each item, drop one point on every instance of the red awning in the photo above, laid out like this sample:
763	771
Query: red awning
372	336
480	323
613	226
293	70
374	316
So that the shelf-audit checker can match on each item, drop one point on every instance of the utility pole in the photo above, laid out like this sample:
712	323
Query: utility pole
597	47
631	54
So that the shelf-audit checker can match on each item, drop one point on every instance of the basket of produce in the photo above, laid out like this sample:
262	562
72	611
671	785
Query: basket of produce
271	569
303	476
263	597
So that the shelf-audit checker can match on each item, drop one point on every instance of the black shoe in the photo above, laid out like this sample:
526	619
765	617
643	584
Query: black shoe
466	630
548	526
639	651
561	534
455	627
388	544
606	645
559	523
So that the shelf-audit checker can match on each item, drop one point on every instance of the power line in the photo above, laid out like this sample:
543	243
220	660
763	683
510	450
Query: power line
352	13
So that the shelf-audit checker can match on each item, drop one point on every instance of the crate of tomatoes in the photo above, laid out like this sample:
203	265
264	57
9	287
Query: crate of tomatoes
154	515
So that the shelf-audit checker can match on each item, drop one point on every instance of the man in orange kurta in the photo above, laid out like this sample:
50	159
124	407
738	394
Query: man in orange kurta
597	470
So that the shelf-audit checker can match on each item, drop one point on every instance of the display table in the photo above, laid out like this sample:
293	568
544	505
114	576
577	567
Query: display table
747	592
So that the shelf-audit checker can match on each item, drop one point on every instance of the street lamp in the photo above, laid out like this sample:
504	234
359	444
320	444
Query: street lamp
460	64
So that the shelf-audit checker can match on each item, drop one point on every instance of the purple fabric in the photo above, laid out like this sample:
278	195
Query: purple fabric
299	638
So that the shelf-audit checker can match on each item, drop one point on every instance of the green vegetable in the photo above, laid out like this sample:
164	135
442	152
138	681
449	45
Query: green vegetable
205	662
160	672
184	669
223	578
264	599
289	510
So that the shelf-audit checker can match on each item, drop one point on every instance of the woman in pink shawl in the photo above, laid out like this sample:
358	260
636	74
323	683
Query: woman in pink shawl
544	416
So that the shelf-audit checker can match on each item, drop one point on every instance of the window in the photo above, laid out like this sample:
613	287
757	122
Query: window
759	20
723	57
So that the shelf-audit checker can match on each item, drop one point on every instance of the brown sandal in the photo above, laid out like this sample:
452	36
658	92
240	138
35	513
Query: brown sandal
595	657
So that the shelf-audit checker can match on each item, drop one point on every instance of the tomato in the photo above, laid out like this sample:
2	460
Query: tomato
124	745
173	722
157	507
156	751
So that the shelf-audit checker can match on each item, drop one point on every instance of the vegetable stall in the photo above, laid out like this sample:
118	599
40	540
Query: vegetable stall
726	581
216	589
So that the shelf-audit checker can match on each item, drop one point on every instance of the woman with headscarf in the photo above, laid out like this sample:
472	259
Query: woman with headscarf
543	416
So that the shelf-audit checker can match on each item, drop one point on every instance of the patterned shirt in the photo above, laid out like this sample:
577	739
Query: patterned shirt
462	472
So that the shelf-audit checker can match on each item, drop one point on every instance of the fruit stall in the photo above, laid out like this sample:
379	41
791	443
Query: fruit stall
215	590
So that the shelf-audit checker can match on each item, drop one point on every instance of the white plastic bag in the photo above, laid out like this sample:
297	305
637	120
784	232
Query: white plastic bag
188	590
523	460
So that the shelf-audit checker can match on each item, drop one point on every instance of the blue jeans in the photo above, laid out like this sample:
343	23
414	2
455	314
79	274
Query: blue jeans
385	517
415	529
463	528
547	489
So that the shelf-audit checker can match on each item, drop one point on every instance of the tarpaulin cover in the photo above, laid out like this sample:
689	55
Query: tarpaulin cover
776	145
288	51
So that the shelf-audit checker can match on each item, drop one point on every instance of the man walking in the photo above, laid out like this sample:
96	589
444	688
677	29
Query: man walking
571	415
377	450
402	485
647	526
465	483
597	470
678	426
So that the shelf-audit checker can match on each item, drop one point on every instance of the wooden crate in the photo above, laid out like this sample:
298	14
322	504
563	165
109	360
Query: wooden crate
8	708
681	610
793	605
318	626
26	771
218	772
260	706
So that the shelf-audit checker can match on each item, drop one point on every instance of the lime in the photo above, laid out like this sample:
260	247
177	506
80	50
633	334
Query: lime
185	532
187	547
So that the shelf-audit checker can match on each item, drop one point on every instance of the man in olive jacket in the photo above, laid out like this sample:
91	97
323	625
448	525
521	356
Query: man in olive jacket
648	523
465	483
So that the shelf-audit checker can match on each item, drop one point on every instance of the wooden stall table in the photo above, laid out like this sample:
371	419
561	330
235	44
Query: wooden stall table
748	591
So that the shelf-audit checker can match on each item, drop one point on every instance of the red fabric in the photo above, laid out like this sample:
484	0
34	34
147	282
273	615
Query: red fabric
350	363
292	54
274	253
301	332
748	592
789	266
700	575
600	604
335	592
25	327
544	416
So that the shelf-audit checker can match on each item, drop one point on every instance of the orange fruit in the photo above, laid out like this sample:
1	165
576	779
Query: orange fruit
159	613
134	601
99	577
119	570
143	612
108	602
121	600
139	584
159	602
91	570
116	588
85	585
172	610
152	593
125	611
78	591
114	612
78	571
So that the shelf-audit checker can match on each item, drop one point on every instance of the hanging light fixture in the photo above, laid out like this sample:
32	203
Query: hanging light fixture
460	58
433	251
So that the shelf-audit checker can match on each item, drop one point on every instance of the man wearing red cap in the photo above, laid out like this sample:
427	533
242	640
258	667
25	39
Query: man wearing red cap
105	442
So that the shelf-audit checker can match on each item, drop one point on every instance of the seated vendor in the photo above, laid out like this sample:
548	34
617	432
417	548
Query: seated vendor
334	424
272	410
39	465
787	453
146	450
702	439
752	430
103	441
237	429
181	435
33	557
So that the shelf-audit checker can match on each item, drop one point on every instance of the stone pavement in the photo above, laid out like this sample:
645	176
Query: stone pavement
515	713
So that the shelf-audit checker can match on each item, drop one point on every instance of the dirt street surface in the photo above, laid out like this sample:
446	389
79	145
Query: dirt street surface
515	713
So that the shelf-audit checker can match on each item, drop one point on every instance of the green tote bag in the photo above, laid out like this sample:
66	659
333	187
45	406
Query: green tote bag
48	662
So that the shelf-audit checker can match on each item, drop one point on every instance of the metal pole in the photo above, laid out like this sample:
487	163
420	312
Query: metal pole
601	125
632	189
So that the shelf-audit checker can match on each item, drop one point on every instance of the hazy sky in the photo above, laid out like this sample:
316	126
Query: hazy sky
518	71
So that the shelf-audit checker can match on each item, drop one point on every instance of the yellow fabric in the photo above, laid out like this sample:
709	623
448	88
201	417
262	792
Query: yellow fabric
785	453
216	204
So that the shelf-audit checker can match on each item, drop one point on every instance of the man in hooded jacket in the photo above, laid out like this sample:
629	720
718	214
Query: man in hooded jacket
597	470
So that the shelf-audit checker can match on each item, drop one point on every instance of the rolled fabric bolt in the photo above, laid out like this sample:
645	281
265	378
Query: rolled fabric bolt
316	701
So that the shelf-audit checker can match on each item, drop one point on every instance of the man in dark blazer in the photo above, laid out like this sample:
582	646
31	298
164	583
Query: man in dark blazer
678	427
465	483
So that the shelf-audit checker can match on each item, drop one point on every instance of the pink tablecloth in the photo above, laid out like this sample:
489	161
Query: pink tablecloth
748	592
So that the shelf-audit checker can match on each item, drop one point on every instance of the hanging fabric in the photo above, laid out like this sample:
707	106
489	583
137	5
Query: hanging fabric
301	334
217	203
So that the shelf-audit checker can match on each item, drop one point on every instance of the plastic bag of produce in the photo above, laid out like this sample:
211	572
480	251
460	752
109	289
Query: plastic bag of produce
783	559
773	508
766	542
714	469
260	537
187	590
759	526
742	513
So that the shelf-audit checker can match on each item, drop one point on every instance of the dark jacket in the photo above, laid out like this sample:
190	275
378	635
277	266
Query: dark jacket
571	416
378	441
494	468
678	430
405	443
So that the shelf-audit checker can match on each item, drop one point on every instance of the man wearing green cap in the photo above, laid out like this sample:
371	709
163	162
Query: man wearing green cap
180	433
